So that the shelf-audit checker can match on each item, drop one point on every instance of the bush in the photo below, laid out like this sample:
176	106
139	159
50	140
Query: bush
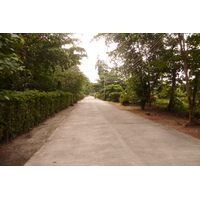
164	94
126	97
181	108
112	92
152	98
20	111
114	96
197	114
100	96
78	97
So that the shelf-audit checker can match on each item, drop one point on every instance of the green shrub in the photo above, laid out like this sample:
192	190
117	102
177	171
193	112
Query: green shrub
78	97
20	111
115	89
164	94
152	98
161	102
197	114
114	96
100	96
126	96
180	107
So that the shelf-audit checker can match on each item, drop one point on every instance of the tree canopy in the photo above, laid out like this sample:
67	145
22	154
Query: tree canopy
37	60
151	62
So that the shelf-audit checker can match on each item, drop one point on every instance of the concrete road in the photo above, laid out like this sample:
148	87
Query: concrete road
97	133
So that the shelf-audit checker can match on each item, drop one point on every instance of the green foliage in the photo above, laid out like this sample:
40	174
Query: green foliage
164	92
125	97
193	58
87	87
100	96
114	96
158	63
9	60
113	88
109	86
73	81
161	102
40	54
45	51
95	87
78	97
197	113
20	111
141	88
113	92
141	63
101	66
180	107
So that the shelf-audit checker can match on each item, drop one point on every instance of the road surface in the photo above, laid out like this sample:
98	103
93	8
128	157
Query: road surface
97	133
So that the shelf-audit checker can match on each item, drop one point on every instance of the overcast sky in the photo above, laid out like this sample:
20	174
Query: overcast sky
93	49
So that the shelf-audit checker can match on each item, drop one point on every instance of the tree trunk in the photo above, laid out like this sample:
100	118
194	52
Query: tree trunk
191	108
142	104
194	99
172	95
59	85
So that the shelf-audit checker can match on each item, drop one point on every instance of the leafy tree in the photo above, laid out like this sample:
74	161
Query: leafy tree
41	55
107	78
113	92
87	87
146	59
138	53
191	62
96	87
101	66
72	80
43	52
169	63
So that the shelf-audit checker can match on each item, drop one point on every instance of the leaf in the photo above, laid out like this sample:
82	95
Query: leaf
1	43
6	97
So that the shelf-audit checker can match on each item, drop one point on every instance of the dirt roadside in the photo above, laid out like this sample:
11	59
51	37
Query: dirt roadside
17	152
160	116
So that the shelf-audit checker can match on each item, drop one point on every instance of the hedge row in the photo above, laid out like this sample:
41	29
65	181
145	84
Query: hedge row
20	111
78	97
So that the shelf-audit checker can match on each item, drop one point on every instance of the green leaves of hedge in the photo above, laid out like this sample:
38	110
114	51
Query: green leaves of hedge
21	111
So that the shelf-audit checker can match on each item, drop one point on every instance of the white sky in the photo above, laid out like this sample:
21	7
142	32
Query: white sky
93	49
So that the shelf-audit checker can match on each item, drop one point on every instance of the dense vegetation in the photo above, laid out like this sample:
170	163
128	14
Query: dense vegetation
42	69
38	61
154	68
39	76
26	109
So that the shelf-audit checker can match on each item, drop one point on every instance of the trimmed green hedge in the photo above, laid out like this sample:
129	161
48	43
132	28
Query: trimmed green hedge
20	111
78	97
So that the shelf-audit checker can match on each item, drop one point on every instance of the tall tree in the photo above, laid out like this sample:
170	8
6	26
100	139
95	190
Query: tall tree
191	61
101	66
72	80
137	53
41	54
171	66
148	58
193	43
